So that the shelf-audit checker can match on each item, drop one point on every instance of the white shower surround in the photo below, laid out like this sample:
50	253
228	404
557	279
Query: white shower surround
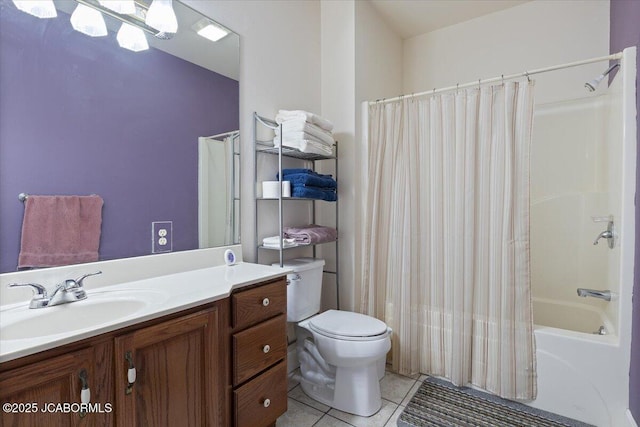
586	376
581	375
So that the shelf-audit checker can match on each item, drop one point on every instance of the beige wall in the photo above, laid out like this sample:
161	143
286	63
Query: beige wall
279	69
338	92
361	59
533	35
378	75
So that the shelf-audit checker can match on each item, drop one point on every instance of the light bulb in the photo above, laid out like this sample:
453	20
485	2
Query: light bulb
212	32
132	38
88	21
161	16
39	8
123	7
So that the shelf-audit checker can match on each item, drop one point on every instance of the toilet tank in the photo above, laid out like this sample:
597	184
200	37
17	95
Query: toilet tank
304	287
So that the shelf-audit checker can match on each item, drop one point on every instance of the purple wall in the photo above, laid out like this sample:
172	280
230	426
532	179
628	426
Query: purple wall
625	32
81	116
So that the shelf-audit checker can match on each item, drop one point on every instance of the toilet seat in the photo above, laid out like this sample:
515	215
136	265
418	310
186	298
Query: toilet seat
349	326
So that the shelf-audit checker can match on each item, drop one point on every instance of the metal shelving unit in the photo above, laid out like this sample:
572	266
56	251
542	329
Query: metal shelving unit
267	148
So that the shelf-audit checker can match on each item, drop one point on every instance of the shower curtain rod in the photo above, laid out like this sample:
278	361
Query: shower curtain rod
232	133
612	57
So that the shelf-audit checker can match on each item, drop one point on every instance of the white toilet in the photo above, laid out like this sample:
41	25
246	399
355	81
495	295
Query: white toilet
341	353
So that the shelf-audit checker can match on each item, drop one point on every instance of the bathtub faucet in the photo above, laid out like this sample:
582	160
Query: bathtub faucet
605	295
604	235
607	234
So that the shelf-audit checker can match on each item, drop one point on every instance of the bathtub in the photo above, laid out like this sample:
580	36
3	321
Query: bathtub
578	371
570	316
583	174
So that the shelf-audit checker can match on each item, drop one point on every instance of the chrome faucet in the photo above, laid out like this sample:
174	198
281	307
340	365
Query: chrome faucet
604	235
607	234
605	295
70	290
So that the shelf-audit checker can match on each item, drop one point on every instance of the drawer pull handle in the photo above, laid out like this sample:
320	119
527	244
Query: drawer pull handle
131	373
85	392
266	349
266	403
265	302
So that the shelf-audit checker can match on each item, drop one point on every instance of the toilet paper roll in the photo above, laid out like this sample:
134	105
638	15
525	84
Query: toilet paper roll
270	189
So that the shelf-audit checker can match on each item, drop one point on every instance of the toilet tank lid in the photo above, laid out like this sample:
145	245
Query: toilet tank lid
348	324
302	264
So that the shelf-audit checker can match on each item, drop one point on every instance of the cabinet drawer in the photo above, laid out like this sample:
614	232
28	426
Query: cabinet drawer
258	347
261	401
254	305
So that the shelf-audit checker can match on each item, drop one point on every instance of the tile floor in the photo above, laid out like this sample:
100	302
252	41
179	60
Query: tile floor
396	391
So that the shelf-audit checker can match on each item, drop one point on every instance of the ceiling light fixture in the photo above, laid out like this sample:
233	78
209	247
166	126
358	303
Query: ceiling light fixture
88	21
124	7
40	8
132	38
209	30
136	18
162	17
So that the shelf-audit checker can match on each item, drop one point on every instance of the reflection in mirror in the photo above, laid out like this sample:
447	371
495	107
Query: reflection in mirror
218	189
82	115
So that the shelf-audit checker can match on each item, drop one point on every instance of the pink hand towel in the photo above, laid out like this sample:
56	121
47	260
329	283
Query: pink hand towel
60	230
311	234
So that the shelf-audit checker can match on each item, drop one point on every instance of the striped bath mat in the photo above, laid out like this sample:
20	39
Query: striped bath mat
438	403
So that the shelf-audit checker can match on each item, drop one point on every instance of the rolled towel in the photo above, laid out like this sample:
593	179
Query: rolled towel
311	234
304	115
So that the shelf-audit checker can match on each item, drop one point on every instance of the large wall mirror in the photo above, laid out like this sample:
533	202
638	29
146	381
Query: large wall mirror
80	115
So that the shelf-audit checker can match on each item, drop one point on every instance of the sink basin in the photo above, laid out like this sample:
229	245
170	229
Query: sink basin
98	309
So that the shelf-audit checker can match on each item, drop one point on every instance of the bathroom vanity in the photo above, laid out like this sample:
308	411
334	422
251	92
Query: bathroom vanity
218	360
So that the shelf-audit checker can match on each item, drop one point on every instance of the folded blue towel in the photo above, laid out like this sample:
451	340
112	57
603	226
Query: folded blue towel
311	180
314	193
286	172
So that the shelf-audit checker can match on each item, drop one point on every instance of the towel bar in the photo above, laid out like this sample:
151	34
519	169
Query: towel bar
24	196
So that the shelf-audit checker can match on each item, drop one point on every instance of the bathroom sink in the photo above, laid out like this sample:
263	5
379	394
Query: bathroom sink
100	308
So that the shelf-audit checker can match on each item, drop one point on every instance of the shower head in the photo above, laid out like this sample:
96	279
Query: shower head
593	84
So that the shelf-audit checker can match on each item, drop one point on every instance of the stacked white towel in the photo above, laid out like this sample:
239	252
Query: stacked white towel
304	131
321	122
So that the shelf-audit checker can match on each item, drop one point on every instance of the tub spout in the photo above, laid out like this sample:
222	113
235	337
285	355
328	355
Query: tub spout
605	295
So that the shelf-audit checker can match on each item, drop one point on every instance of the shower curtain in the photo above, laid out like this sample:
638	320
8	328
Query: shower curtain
216	191
446	235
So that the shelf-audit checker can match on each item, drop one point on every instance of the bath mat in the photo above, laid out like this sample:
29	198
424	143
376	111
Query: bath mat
438	403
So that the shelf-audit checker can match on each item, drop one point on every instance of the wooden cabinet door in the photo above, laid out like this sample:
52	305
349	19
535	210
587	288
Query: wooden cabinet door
30	394
179	373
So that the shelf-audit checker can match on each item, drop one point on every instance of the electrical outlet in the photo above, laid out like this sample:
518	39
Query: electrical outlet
161	236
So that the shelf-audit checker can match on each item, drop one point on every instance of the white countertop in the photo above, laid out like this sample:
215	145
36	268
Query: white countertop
175	292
